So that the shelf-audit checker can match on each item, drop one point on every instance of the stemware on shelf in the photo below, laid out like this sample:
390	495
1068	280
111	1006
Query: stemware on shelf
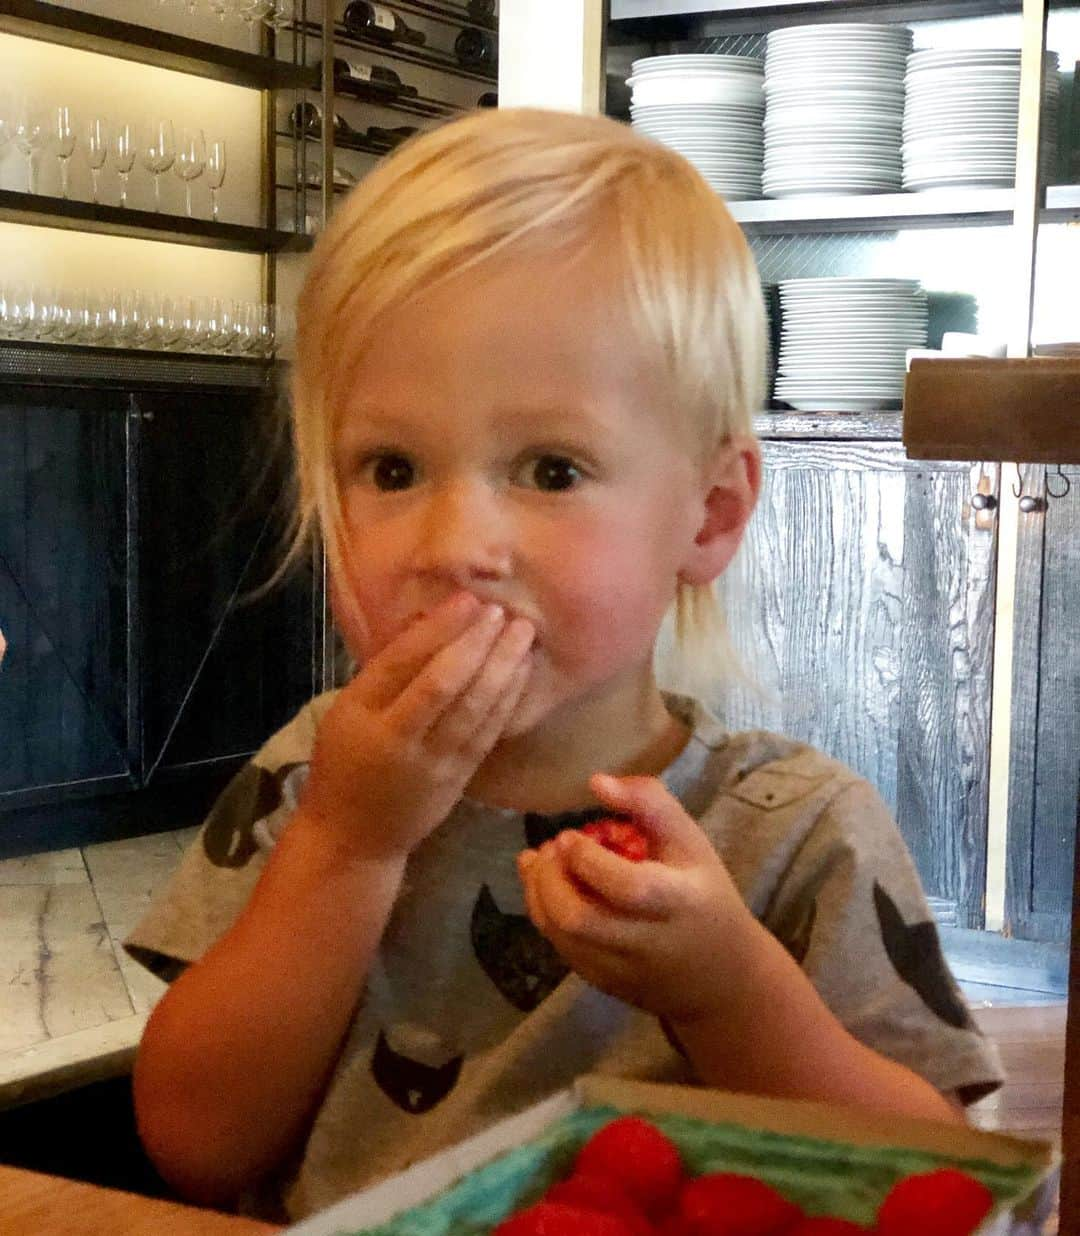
158	154
215	172
97	151
28	133
124	156
7	118
16	310
63	136
280	15
252	12
190	161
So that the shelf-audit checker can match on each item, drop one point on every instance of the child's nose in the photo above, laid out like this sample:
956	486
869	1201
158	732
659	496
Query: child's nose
466	533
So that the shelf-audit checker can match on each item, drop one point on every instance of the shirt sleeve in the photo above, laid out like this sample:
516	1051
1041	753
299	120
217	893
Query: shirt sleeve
851	910
222	865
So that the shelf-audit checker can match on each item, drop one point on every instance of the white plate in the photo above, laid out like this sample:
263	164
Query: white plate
696	90
843	405
928	184
697	60
853	30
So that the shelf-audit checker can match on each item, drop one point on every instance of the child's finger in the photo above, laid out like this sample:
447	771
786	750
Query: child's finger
394	667
527	861
677	838
642	889
566	908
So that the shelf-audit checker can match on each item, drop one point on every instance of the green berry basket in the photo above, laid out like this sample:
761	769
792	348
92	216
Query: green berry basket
830	1160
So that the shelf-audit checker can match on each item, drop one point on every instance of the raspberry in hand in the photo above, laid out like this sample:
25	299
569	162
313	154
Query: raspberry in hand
620	837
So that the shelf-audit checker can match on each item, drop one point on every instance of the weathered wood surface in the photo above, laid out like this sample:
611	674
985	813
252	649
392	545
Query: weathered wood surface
862	607
1044	782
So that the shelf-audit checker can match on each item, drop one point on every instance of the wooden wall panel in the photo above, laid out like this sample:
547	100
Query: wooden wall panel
862	605
63	550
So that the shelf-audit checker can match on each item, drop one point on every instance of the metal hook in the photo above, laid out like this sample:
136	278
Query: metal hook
1018	484
1061	493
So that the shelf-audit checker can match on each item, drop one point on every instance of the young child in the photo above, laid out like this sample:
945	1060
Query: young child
530	346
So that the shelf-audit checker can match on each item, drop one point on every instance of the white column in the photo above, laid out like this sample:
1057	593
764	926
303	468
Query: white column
550	54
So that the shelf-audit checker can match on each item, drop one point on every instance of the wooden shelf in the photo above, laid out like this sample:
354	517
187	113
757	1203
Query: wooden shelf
877	211
41	211
128	41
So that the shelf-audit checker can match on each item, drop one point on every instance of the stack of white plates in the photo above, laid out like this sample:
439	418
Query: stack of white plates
709	109
960	117
834	109
843	342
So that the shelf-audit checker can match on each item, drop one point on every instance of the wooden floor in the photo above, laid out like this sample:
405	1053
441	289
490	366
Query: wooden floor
1031	1039
1032	1044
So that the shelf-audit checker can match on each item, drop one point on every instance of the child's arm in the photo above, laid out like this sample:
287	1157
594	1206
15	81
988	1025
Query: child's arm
238	1052
674	937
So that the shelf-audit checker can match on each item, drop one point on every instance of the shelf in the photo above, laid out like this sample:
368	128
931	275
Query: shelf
362	145
780	425
664	20
128	41
429	109
41	211
428	58
888	211
451	14
65	363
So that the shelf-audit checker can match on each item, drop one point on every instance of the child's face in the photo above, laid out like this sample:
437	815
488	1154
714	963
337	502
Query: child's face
502	436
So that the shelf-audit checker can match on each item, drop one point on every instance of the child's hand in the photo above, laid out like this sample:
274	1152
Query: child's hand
660	934
403	739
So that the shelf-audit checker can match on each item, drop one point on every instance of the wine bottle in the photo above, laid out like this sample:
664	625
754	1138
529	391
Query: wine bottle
481	11
306	118
476	49
370	81
381	24
390	137
490	98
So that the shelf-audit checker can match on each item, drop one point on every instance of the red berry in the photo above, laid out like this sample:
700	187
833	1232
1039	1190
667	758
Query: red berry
603	1194
728	1204
637	1156
821	1226
945	1202
557	1219
620	837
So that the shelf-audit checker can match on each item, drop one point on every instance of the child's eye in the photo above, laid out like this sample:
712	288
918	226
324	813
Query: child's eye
554	473
389	471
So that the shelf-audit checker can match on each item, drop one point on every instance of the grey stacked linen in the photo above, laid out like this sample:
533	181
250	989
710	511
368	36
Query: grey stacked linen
843	342
960	117
709	108
834	109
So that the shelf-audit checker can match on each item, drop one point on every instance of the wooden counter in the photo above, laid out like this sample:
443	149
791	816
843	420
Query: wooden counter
31	1203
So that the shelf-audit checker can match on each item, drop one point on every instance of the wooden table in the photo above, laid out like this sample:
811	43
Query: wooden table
32	1204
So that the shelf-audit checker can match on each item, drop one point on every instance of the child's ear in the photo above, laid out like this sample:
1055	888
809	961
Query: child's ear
729	493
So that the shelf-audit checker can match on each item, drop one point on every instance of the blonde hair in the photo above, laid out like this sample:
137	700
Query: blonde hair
512	182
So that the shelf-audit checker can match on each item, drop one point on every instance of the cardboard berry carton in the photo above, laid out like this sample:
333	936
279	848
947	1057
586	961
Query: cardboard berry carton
830	1160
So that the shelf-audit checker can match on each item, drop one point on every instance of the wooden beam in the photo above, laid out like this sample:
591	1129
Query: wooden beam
1023	409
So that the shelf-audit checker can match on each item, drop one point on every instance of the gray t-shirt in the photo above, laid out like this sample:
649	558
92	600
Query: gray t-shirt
468	1013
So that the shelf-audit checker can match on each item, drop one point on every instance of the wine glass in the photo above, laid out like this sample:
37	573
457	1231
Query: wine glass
16	305
97	150
215	172
280	15
158	154
124	155
29	136
63	136
252	12
65	320
190	160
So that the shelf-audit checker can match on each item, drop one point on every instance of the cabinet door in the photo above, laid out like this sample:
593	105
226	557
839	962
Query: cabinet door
1044	774
862	607
63	593
220	668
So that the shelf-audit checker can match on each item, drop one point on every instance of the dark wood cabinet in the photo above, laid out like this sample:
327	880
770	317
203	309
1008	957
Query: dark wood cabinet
862	607
146	661
64	550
